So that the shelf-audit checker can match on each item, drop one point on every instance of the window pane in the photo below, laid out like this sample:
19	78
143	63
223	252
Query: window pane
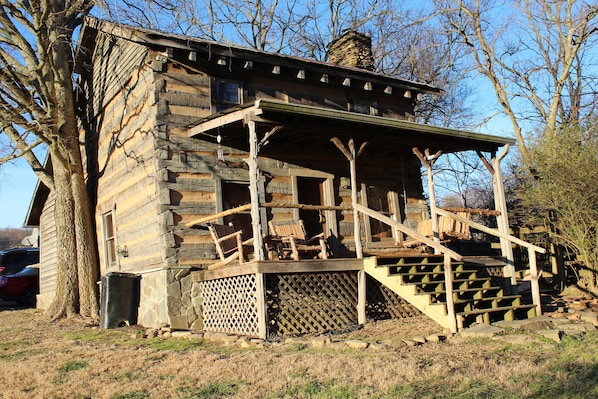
227	95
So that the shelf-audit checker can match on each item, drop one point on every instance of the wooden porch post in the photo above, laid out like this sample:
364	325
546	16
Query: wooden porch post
533	268
450	301
254	179
351	156
262	314
361	297
502	220
428	161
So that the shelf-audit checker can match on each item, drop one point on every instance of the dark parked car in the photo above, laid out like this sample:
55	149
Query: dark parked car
21	287
15	259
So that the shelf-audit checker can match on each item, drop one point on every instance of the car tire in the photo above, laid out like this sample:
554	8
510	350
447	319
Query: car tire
29	297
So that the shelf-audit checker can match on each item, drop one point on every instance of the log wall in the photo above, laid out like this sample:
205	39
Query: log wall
156	179
123	110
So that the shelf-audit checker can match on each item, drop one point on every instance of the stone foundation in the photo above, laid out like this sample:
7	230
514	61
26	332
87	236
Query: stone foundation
169	298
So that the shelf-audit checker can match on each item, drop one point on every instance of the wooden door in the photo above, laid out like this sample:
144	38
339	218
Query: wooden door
310	191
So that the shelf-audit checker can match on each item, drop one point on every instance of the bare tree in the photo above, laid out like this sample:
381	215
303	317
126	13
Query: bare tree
37	107
533	52
259	24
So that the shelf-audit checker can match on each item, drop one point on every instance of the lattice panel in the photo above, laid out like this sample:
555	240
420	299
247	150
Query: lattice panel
382	303
302	303
230	305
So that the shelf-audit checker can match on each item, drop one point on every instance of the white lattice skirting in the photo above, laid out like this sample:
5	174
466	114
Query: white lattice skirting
230	305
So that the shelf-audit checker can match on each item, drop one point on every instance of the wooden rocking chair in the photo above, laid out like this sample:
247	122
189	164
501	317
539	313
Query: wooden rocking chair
294	240
229	244
449	230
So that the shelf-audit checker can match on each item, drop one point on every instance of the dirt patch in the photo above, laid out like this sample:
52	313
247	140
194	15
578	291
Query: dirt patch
71	359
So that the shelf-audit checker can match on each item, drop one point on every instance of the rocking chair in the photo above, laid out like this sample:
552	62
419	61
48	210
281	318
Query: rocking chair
294	240
229	244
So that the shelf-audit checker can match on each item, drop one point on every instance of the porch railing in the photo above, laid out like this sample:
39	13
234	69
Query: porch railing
533	251
449	254
438	248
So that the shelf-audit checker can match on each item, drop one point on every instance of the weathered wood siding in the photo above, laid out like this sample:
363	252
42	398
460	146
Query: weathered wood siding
187	92
123	116
190	176
326	95
156	179
48	255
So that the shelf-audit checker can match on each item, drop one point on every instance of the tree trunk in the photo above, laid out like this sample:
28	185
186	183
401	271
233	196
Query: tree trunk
87	262
66	301
77	291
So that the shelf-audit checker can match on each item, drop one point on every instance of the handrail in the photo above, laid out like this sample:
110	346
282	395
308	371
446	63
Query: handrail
409	231
488	230
219	215
531	248
247	207
441	249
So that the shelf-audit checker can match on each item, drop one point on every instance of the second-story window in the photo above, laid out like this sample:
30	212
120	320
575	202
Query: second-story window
228	94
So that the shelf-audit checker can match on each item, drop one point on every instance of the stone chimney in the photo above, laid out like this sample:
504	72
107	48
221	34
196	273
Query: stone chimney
352	49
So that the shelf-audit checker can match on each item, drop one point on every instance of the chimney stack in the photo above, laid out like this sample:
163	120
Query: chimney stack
352	49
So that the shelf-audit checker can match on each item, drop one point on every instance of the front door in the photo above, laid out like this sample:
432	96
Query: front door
235	194
310	191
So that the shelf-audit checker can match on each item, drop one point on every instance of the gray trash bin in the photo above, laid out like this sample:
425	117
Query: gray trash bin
119	299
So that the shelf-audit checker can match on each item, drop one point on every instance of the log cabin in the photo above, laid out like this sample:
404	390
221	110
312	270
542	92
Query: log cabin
181	133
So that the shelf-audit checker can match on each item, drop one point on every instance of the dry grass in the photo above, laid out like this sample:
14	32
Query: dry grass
71	360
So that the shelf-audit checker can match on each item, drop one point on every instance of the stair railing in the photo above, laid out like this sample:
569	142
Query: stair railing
448	253
532	249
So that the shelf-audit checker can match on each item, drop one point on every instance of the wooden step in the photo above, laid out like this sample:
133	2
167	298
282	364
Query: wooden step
420	280
458	284
487	303
431	277
507	313
465	294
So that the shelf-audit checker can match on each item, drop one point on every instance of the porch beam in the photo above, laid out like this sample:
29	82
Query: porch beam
282	267
222	120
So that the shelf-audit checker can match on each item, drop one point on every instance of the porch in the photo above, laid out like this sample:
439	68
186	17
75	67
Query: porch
266	298
434	278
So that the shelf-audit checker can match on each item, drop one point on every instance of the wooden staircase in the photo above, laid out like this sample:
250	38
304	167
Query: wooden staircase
420	280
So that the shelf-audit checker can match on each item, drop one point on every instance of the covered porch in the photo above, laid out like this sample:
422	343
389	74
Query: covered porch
326	144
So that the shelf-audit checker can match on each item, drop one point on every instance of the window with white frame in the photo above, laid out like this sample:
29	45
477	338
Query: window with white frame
109	232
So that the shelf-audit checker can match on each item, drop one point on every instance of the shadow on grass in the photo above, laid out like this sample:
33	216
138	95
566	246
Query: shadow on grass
10	305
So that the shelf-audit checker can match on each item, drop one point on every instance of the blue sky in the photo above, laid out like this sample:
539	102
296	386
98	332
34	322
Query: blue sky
17	183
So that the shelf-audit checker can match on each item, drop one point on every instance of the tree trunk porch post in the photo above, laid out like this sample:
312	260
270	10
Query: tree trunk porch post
428	161
254	178
502	220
